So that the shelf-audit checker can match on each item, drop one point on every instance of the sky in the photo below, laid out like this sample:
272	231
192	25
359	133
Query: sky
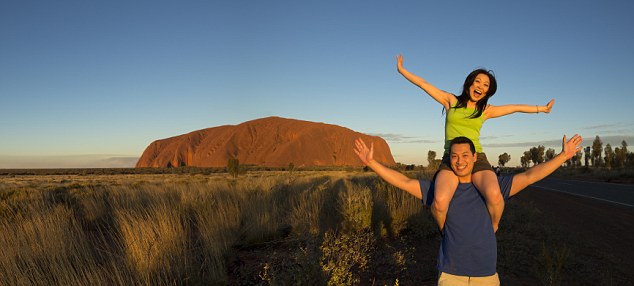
93	83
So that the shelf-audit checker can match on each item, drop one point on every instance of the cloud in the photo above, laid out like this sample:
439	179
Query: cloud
522	144
614	140
494	137
399	138
422	141
612	128
391	136
73	161
117	162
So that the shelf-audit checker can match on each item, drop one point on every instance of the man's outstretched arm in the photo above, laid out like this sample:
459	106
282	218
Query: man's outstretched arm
393	177
538	172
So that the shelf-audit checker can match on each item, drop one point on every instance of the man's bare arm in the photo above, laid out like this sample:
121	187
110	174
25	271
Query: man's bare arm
393	177
540	171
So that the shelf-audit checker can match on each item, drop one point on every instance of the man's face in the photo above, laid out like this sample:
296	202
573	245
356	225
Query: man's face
462	160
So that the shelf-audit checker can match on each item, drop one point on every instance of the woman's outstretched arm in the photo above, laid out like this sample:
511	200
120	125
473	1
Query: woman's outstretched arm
498	111
444	98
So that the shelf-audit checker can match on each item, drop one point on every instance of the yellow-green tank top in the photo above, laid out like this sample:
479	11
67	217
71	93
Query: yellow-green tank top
458	123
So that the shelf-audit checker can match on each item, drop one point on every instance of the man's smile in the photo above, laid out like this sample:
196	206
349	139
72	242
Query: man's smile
461	167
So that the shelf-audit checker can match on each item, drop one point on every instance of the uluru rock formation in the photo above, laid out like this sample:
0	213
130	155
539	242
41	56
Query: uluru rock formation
271	141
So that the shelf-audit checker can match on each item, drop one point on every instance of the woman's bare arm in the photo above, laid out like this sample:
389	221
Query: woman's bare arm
444	98
493	111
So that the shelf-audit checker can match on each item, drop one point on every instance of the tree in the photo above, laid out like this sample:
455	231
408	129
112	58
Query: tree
431	156
568	163
587	154
630	159
619	157
624	152
234	168
431	160
526	159
291	168
550	154
575	160
503	159
597	149
609	156
578	158
537	154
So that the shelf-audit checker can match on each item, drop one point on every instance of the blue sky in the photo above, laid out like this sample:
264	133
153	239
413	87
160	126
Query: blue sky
83	82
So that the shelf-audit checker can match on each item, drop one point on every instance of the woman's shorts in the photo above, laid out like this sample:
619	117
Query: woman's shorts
481	164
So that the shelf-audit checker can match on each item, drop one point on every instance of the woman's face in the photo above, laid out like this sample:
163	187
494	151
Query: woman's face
479	88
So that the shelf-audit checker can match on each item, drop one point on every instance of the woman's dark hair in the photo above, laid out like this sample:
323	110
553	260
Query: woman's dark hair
482	103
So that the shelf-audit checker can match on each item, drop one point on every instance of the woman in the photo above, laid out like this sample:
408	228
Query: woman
465	115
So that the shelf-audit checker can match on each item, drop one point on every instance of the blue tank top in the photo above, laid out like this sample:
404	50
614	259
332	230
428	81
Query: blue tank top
468	245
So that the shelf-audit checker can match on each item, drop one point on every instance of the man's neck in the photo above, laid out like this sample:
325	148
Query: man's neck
464	180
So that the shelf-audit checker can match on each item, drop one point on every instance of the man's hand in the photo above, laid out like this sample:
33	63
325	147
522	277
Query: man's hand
365	154
395	178
570	148
540	171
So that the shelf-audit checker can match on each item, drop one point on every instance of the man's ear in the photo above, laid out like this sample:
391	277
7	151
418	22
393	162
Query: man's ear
475	156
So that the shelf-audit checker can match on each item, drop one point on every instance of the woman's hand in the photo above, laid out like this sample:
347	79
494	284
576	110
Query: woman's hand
548	107
399	62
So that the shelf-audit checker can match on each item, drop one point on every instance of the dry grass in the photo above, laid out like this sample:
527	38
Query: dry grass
614	175
328	227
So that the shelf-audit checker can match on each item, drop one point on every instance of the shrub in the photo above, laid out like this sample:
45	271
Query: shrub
234	168
345	255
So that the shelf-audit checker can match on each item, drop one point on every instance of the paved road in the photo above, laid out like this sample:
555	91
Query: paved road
604	227
622	194
600	215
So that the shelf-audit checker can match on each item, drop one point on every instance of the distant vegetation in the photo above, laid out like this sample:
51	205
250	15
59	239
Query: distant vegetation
260	228
171	170
594	155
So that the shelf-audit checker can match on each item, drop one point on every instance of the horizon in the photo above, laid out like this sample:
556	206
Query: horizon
87	161
80	78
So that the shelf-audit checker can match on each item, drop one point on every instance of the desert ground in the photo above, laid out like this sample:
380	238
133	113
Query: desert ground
343	227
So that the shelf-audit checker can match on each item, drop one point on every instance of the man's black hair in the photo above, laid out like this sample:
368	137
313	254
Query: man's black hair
463	140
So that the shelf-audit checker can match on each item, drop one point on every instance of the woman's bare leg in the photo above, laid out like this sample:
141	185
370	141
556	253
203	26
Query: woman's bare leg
444	187
487	183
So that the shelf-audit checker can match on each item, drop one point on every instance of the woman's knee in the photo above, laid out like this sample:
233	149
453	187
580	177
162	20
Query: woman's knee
489	186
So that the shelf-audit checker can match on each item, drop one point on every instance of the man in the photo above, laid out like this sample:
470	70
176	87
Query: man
468	249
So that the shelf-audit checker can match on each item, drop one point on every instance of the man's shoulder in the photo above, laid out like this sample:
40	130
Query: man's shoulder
505	177
425	183
427	191
506	182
